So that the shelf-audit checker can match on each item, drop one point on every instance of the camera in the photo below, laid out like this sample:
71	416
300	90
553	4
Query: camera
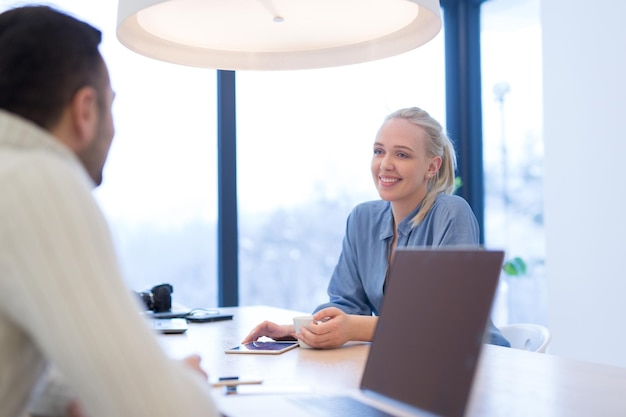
158	298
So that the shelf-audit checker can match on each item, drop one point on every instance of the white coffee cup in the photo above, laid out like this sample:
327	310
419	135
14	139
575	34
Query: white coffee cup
298	323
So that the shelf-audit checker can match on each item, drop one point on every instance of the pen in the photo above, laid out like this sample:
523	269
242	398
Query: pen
231	381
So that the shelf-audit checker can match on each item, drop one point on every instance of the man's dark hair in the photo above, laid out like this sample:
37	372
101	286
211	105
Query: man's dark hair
46	56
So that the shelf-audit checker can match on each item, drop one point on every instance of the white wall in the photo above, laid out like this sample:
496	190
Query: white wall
584	60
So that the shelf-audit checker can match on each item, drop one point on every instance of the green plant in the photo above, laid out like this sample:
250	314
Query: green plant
514	267
458	183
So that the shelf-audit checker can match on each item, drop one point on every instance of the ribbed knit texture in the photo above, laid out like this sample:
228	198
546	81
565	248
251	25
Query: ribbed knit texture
63	299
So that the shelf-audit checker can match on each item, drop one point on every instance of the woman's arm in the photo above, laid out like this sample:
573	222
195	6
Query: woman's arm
346	288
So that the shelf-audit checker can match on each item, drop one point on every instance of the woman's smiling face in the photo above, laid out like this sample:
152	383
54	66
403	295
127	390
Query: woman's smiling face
401	167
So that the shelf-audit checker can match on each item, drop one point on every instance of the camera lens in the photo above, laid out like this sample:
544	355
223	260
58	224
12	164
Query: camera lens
162	298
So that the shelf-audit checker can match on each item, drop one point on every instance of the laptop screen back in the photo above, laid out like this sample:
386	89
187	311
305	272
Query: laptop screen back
430	331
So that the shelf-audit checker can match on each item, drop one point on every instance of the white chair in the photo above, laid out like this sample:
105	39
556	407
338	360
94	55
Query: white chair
527	336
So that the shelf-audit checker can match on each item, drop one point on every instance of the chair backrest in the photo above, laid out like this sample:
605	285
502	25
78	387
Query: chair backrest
527	336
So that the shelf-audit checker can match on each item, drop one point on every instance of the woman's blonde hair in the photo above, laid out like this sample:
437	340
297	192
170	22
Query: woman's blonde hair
437	144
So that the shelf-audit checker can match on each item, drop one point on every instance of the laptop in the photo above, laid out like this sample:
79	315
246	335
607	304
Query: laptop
426	346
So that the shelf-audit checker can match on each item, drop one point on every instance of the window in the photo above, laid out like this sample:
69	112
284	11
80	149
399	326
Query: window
304	146
160	188
304	149
513	151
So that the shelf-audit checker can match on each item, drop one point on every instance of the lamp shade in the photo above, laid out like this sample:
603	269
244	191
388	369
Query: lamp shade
275	34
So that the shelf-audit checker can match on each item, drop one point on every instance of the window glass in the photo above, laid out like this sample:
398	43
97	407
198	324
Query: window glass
513	153
159	191
304	148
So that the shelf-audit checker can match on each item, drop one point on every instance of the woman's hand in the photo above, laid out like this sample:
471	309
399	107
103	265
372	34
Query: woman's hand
272	330
332	328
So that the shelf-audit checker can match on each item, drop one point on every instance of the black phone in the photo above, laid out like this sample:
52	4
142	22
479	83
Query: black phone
174	314
206	315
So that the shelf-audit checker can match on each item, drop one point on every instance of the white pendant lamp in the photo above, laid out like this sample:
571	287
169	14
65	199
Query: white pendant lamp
275	34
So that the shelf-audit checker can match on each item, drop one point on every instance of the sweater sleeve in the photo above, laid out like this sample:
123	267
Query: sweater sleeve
68	297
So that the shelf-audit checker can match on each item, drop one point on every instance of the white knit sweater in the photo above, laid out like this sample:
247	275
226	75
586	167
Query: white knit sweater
62	299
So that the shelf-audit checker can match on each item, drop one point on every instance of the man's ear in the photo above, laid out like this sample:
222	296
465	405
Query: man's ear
84	115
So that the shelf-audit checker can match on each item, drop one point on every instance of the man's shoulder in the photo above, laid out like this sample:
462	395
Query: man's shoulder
41	174
38	164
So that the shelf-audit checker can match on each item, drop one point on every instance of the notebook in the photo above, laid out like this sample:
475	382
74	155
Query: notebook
426	346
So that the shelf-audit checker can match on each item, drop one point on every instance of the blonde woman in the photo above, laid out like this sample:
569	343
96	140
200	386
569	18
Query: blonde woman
413	167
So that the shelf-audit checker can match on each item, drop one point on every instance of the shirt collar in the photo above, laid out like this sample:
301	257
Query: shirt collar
404	227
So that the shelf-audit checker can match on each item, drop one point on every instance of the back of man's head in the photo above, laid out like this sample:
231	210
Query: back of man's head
45	57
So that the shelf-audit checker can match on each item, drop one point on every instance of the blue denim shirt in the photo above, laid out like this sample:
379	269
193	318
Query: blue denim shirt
356	286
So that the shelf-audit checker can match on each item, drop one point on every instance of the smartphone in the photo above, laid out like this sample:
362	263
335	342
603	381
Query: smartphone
169	326
267	348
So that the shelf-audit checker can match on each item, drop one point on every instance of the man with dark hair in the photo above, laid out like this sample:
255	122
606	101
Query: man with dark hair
63	302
